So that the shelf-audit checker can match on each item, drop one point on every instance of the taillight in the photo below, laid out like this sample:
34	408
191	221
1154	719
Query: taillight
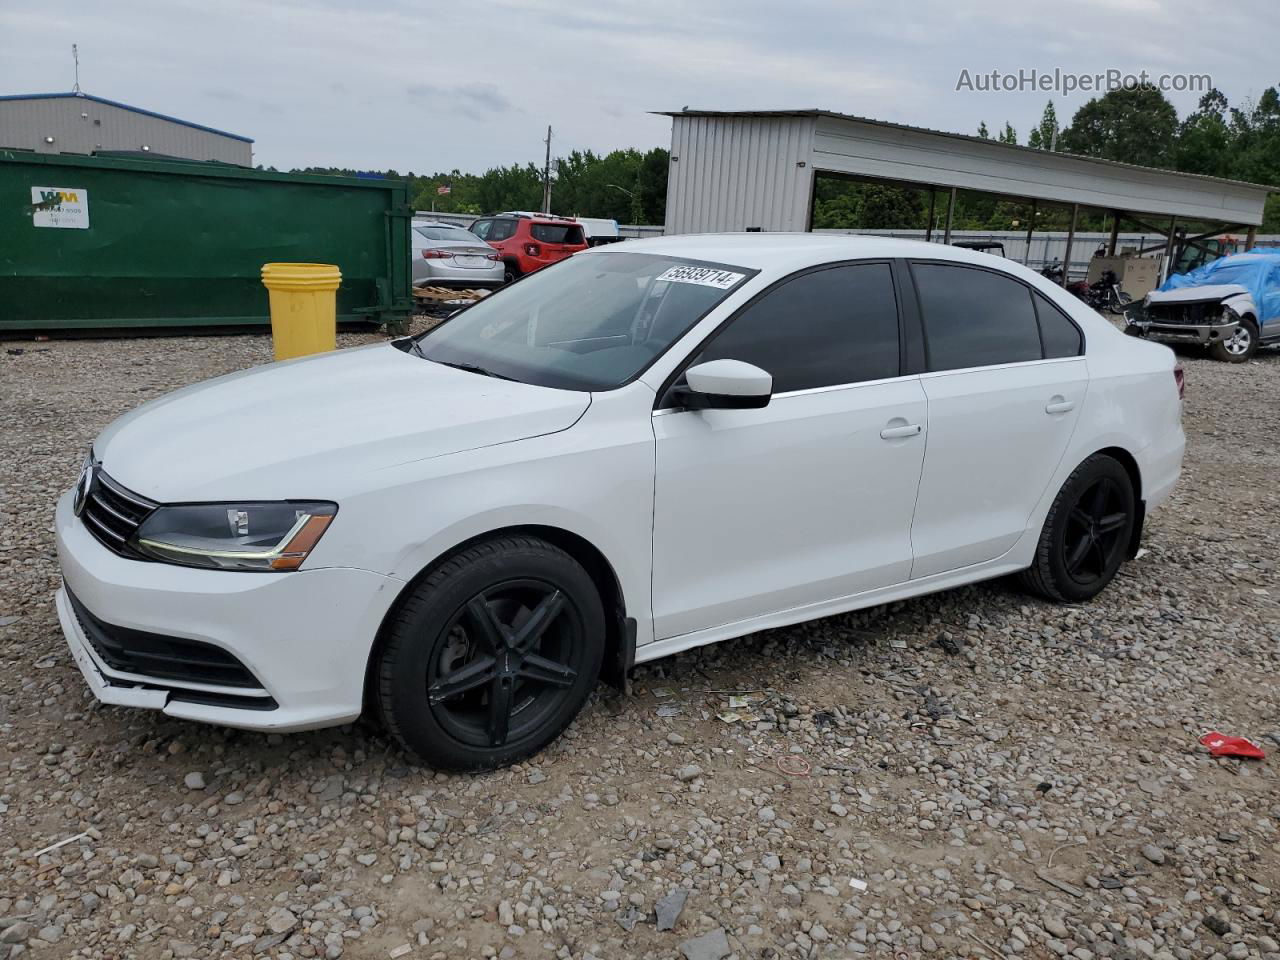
532	250
493	256
1180	378
428	254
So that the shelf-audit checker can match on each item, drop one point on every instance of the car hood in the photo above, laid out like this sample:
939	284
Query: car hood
308	428
1217	291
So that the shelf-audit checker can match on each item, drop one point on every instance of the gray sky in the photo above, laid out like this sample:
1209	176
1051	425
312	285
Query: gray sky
423	85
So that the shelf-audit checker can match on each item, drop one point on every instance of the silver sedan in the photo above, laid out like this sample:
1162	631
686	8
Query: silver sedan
448	256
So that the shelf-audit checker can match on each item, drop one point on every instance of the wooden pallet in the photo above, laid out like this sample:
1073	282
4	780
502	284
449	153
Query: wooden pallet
442	294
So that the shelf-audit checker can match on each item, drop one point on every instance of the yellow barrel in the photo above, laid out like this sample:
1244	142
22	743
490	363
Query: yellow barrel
304	307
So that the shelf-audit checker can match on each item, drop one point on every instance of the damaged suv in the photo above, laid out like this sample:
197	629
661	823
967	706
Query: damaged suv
1230	306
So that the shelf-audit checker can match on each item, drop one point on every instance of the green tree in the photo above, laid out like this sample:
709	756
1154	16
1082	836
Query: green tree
653	185
1042	137
1009	135
983	132
850	205
1205	138
1133	125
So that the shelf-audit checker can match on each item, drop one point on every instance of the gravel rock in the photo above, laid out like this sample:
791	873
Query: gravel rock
1006	795
667	910
709	946
1153	853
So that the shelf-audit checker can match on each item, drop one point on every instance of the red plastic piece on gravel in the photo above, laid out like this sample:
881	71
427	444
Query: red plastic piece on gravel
1220	745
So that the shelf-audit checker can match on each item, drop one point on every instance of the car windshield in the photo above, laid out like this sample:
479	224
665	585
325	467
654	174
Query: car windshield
447	233
591	322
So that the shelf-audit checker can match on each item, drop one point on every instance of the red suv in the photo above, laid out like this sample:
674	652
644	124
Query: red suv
529	242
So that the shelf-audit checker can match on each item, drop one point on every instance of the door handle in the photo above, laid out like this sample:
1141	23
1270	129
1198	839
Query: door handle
896	433
1059	404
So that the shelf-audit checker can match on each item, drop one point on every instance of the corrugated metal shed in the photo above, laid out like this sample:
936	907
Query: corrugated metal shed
740	170
84	124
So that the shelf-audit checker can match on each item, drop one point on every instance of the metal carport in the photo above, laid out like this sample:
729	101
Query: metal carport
755	170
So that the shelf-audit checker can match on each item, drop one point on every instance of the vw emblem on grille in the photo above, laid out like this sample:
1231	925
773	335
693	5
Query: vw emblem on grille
83	486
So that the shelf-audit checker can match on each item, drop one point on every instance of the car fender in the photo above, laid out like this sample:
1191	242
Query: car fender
593	480
1242	305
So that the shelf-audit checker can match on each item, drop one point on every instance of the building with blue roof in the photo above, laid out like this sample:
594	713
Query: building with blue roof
81	123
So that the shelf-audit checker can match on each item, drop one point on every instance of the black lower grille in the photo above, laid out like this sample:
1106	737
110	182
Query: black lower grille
1192	314
162	658
113	513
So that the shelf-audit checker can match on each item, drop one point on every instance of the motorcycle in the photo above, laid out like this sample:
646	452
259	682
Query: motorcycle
1104	294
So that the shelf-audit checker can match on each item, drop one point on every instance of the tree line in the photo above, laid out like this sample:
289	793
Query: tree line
624	185
1137	125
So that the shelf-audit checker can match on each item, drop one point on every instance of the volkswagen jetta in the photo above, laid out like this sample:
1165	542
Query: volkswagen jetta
637	451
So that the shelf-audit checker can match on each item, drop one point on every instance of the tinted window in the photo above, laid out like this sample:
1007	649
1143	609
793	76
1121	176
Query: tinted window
556	233
829	327
974	318
1061	337
500	230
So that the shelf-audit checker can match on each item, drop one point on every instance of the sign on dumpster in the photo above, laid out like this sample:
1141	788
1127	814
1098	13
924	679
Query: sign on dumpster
66	207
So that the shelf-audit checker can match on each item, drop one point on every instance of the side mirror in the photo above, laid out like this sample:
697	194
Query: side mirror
724	385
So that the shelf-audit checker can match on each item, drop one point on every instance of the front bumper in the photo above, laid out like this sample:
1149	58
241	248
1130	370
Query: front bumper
1185	332
305	637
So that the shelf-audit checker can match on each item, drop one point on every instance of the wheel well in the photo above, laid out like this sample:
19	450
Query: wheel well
619	632
1126	460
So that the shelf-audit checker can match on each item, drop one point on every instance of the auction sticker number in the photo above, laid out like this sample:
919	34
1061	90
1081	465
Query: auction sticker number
702	276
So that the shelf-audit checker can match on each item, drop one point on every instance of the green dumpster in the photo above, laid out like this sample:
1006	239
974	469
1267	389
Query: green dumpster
112	242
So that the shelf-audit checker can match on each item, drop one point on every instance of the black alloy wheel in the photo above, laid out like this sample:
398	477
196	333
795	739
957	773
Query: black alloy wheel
1087	533
1095	526
513	654
491	655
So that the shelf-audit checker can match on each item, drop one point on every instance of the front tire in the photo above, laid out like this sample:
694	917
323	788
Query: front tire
492	655
1086	534
1118	303
1240	346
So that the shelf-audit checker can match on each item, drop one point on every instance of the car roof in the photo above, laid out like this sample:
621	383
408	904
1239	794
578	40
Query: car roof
794	251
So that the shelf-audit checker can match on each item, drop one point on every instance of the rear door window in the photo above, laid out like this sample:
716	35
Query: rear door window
975	318
1061	337
556	233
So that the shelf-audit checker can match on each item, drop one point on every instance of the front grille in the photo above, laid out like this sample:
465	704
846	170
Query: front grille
113	513
1191	314
162	658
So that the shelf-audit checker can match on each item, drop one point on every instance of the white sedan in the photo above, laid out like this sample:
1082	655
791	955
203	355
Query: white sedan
643	449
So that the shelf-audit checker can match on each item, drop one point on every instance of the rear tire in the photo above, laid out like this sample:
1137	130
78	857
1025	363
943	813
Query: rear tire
511	271
1241	346
492	655
1086	534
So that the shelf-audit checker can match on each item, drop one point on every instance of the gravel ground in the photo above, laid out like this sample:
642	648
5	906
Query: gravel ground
970	774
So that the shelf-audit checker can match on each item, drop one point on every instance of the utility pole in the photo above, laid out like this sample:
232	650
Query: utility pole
546	176
75	55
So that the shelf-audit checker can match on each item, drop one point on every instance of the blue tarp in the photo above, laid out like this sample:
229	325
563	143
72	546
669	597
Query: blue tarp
1257	271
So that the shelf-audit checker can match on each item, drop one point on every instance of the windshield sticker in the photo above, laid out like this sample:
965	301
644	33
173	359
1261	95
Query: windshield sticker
702	276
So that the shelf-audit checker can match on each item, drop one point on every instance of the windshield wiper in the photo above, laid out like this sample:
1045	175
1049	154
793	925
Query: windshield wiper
469	367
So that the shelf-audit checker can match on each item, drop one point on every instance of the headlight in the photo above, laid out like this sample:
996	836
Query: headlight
235	536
